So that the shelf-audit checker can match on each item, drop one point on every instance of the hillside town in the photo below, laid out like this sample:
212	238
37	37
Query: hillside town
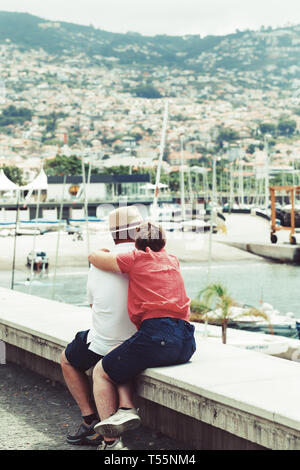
78	107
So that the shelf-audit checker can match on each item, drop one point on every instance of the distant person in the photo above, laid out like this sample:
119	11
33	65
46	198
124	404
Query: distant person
159	308
107	293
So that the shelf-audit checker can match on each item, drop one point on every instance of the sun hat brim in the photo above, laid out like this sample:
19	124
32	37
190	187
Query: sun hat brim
122	228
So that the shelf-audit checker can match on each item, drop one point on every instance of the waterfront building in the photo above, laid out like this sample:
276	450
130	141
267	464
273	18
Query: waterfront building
101	188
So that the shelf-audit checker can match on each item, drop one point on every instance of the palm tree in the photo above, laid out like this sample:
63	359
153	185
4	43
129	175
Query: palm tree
214	305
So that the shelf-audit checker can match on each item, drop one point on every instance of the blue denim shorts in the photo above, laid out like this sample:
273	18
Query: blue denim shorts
79	355
159	342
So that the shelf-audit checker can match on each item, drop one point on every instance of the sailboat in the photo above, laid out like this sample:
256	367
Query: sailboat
174	217
193	218
167	216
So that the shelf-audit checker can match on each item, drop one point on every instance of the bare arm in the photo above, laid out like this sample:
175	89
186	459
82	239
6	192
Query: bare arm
104	261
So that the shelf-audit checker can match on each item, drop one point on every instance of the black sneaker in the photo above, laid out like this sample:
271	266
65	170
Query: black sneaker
85	436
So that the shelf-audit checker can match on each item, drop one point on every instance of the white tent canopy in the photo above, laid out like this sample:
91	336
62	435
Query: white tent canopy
40	183
6	184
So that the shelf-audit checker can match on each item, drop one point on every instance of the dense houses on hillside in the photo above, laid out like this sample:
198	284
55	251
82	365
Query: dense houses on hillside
73	99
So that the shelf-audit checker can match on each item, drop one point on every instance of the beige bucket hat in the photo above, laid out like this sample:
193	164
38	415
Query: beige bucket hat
124	218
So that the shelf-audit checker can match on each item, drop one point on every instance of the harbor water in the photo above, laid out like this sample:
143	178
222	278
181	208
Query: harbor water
249	282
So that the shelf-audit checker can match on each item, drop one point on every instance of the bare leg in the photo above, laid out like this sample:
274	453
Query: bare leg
125	392
108	396
105	394
126	395
78	385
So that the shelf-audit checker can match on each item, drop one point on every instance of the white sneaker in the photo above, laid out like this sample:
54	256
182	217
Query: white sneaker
121	421
117	445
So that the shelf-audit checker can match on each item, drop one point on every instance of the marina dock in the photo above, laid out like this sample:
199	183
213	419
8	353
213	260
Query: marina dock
251	233
283	253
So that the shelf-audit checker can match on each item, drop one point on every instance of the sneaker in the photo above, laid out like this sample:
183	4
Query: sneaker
117	445
121	421
85	436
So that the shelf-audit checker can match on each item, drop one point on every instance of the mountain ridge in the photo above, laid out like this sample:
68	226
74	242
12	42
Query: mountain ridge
247	50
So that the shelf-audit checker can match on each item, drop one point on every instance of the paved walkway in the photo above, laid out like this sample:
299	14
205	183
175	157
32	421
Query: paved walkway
37	415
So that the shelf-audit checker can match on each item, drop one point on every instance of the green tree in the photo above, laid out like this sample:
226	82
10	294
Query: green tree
63	165
51	122
15	174
12	116
51	126
267	128
286	127
226	134
251	149
147	91
116	170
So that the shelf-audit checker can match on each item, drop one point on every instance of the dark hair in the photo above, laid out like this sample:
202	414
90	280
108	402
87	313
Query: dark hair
127	234
150	235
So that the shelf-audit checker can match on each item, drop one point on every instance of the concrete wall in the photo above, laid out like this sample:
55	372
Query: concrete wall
157	417
225	398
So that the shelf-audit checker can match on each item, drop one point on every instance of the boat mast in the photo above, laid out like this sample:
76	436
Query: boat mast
212	217
190	186
58	237
267	174
15	239
183	211
241	181
162	147
86	211
231	187
35	232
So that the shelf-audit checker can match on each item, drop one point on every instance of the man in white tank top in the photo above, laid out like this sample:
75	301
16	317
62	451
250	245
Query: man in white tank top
111	326
107	295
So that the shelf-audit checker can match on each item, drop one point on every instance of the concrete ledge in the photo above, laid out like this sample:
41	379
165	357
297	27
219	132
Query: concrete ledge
241	428
277	252
49	369
225	398
197	434
32	343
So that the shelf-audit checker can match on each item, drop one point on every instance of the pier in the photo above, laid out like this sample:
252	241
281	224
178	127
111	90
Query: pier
225	398
251	233
283	253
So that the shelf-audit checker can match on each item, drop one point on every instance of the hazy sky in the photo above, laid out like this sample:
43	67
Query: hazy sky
174	17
